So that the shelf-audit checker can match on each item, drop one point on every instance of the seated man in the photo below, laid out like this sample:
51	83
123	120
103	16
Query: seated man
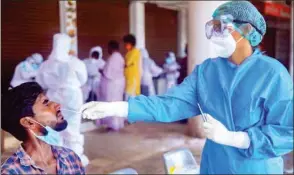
30	117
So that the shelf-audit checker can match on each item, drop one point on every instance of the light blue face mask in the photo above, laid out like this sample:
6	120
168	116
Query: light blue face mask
52	137
35	66
168	61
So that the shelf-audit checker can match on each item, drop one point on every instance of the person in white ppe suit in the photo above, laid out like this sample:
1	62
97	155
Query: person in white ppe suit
63	75
171	68
26	70
94	65
150	70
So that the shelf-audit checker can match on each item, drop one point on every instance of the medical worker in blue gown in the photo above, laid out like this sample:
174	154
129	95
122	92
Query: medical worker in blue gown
248	98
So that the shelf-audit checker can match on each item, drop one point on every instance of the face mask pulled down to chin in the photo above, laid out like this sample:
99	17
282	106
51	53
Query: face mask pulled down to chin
51	136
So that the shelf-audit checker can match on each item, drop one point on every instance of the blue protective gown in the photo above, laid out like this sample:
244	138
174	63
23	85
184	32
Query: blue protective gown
255	97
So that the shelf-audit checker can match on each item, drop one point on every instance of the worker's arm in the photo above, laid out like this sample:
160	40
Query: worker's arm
154	69
101	64
275	137
178	103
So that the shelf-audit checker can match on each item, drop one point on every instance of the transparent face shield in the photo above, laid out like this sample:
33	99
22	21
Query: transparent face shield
225	25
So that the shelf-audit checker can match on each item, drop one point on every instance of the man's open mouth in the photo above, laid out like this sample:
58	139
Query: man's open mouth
59	115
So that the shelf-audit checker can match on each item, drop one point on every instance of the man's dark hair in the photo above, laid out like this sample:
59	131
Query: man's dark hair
17	103
112	44
130	39
95	54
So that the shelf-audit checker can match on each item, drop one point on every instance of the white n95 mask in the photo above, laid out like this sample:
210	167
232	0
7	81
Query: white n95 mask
223	46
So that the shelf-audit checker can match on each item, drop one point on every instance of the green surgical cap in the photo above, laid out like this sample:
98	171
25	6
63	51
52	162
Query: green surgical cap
244	12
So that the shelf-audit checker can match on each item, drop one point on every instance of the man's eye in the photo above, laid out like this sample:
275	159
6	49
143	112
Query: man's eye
45	102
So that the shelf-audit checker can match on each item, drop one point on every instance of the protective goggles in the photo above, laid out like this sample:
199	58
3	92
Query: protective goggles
225	25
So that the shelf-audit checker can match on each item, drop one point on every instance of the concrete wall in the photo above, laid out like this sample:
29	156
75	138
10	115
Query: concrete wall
101	21
26	27
161	31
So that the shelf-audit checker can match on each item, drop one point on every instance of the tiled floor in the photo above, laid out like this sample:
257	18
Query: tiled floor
139	146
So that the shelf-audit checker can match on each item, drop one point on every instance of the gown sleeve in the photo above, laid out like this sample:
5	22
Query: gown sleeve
275	137
155	69
178	103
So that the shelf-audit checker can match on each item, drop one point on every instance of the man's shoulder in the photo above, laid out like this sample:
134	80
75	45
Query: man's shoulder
70	157
61	149
65	152
86	60
9	165
271	63
76	59
137	51
116	54
76	63
134	51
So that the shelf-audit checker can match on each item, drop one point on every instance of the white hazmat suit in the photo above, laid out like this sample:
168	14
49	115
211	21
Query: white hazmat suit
26	70
150	70
93	66
62	76
171	68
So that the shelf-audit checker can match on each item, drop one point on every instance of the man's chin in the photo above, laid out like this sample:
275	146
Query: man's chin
61	126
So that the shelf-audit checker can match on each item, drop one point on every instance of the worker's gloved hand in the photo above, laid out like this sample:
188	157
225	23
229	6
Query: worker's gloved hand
97	110
217	132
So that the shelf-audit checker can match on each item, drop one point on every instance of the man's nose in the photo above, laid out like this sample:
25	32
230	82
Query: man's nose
56	106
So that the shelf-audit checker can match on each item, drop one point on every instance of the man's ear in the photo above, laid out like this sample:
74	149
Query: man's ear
26	123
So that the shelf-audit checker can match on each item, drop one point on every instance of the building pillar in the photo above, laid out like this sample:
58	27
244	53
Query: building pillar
199	12
137	22
182	32
68	22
